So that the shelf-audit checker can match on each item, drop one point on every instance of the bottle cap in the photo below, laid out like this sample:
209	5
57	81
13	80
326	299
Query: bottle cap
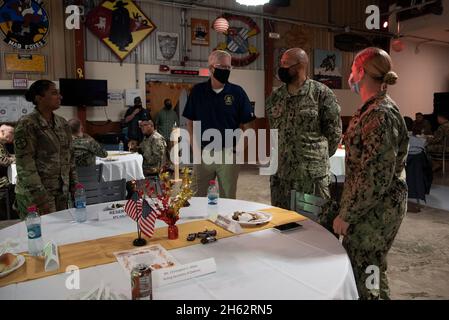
32	208
79	186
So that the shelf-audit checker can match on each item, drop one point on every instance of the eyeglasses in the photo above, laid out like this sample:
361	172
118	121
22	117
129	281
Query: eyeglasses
222	67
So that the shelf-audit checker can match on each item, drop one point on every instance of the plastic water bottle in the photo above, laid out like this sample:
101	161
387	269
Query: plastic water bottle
80	204
33	223
212	193
121	147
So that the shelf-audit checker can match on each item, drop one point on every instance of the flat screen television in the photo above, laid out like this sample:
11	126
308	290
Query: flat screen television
84	92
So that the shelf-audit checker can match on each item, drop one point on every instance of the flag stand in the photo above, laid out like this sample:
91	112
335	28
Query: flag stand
139	242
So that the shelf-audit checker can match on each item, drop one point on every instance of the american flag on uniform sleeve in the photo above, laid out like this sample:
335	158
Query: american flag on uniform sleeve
148	219
133	207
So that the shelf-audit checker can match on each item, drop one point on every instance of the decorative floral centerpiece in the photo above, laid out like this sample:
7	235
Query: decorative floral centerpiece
171	199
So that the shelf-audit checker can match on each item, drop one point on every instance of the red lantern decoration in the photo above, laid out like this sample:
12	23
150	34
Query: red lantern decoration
221	25
398	45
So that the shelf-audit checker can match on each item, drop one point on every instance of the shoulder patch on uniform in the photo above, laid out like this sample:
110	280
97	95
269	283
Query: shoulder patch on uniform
20	143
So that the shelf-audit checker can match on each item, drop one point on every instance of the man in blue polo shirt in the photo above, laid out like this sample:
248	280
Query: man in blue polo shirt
217	104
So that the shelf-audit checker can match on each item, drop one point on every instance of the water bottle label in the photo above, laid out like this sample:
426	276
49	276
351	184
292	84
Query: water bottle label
80	204
34	231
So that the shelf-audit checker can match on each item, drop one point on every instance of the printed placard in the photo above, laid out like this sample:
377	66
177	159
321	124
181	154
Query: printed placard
228	224
164	277
111	214
51	257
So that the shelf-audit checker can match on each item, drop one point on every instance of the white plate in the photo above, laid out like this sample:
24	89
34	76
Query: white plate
20	261
245	219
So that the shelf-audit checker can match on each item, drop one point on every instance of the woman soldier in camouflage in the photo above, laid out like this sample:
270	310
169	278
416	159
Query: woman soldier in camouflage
374	199
44	154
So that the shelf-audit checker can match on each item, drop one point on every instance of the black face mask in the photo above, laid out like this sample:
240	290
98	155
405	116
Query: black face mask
168	106
222	75
285	76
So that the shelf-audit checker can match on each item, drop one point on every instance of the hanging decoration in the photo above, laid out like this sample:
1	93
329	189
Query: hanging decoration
221	25
24	23
121	25
238	37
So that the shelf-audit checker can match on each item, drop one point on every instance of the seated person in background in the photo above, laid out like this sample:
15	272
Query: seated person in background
421	125
152	148
435	144
6	136
6	159
133	146
416	145
85	148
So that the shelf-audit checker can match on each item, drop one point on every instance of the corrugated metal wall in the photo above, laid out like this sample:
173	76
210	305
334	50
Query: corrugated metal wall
168	19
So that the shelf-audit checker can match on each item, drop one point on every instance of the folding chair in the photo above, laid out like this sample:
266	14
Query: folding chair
307	205
90	174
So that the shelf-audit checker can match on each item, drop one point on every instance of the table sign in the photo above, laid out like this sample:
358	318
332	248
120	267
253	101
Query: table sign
228	224
164	277
111	214
51	257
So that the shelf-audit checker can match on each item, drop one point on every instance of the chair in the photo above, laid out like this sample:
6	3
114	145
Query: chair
90	174
308	205
100	192
113	191
93	192
442	156
4	194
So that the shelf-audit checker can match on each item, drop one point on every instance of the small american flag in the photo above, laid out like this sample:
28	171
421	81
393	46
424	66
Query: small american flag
148	219
133	207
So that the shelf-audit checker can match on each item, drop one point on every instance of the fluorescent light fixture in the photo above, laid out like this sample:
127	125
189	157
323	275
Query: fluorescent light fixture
252	2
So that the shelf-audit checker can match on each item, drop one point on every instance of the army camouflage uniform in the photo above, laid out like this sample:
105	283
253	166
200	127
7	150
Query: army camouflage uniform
309	127
45	163
435	144
153	151
374	199
5	161
86	149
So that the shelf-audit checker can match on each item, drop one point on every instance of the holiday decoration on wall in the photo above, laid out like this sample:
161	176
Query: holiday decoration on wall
238	36
24	23
167	46
121	25
200	32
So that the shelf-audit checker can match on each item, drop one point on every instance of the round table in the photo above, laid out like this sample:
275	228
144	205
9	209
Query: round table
123	166
308	263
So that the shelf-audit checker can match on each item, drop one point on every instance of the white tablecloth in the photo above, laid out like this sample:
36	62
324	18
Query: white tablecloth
127	167
337	162
305	264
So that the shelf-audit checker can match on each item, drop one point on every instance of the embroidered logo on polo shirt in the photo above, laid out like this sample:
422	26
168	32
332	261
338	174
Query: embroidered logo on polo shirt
229	100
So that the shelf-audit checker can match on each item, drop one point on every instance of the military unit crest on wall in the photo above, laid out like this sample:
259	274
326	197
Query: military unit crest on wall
24	23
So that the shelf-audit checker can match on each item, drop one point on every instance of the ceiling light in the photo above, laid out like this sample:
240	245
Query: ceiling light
252	2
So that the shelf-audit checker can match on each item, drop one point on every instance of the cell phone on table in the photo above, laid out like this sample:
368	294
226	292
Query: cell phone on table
288	226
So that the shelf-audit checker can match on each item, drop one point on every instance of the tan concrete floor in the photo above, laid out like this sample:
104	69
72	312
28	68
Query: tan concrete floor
419	258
